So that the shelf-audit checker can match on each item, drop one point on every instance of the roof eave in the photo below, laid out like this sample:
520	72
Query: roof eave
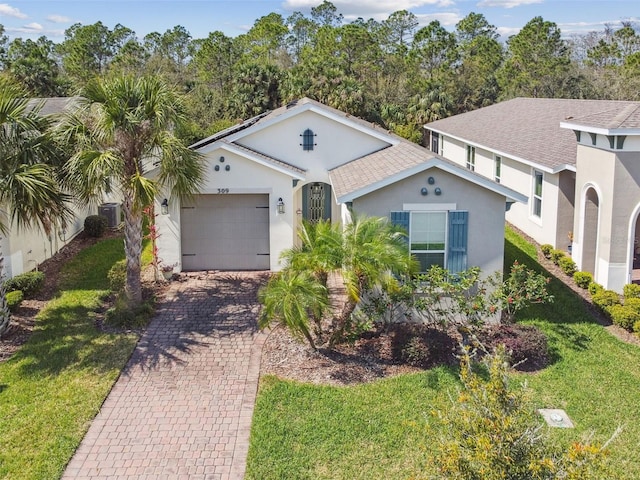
600	130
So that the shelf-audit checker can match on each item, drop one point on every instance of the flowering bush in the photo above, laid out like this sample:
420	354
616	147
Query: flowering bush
521	288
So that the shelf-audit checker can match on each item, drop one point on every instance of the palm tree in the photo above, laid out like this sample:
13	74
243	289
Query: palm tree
374	254
29	192
289	298
121	131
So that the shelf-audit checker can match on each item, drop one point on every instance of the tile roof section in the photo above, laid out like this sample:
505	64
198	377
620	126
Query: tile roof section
528	128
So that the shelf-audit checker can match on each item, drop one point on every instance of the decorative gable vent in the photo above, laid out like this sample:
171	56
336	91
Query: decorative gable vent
308	140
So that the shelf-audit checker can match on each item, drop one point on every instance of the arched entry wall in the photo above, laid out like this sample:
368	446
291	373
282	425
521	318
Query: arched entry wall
633	243
589	226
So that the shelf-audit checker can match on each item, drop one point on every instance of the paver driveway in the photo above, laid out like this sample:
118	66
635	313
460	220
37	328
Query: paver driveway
182	408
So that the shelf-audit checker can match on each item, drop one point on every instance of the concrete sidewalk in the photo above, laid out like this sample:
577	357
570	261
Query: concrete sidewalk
182	407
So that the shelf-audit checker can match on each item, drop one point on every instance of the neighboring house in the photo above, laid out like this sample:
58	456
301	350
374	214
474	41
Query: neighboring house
24	249
578	161
309	161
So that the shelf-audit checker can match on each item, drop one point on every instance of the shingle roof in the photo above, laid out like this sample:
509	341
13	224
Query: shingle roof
399	161
612	118
53	105
376	166
529	128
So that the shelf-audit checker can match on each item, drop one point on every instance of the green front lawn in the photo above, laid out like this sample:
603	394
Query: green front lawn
378	430
55	384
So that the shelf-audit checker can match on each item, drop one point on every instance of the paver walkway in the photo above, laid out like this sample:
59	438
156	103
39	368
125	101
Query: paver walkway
182	407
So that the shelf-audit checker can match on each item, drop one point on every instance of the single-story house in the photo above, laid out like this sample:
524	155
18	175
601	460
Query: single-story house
577	160
309	161
24	249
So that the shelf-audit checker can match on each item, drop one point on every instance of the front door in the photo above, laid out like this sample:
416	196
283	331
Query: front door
316	201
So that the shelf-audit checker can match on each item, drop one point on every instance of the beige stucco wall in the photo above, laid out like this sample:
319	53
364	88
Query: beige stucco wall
486	211
615	176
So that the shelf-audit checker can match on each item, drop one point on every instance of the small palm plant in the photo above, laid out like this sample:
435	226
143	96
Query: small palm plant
290	298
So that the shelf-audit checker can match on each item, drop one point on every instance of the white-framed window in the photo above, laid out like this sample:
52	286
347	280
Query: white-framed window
497	161
435	142
428	238
471	157
538	177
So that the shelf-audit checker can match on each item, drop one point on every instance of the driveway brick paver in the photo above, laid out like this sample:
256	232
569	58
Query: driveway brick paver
182	407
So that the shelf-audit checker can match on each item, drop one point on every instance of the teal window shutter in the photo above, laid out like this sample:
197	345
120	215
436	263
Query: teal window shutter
457	248
401	219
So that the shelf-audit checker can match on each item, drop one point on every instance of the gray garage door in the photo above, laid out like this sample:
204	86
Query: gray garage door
225	232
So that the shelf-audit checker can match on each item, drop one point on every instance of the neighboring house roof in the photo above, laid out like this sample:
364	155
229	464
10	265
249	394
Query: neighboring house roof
528	129
53	105
389	165
613	121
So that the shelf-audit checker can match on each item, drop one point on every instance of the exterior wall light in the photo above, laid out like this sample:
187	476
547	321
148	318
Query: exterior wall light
164	207
280	206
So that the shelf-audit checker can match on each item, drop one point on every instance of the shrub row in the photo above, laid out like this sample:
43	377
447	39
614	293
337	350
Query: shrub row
28	283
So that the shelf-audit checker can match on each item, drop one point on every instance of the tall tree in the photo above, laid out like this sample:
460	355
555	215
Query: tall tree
265	41
122	127
537	63
434	50
3	46
34	65
326	15
399	29
87	50
29	192
480	55
302	31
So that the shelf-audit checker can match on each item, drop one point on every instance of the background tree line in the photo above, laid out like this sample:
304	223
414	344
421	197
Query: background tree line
390	72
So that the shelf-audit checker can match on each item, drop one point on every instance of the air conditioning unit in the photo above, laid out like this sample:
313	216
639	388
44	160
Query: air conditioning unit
112	212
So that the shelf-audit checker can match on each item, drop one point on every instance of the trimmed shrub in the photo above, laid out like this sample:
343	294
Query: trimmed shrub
633	303
95	225
567	265
14	299
117	275
631	290
605	299
583	279
624	316
636	328
526	345
556	255
28	283
595	288
546	250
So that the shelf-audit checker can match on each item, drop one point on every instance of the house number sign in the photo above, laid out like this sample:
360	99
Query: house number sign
223	190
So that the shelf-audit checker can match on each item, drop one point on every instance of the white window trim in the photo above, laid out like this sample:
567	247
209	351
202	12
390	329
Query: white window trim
497	160
471	158
535	197
446	235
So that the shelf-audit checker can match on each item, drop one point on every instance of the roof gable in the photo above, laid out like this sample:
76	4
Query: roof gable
390	165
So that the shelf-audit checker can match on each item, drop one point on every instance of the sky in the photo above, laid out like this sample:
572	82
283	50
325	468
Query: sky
33	18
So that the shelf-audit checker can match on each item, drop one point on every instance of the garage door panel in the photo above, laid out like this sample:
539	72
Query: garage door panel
226	232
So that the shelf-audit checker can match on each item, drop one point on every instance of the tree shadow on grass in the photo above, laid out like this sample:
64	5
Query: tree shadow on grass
66	337
198	312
